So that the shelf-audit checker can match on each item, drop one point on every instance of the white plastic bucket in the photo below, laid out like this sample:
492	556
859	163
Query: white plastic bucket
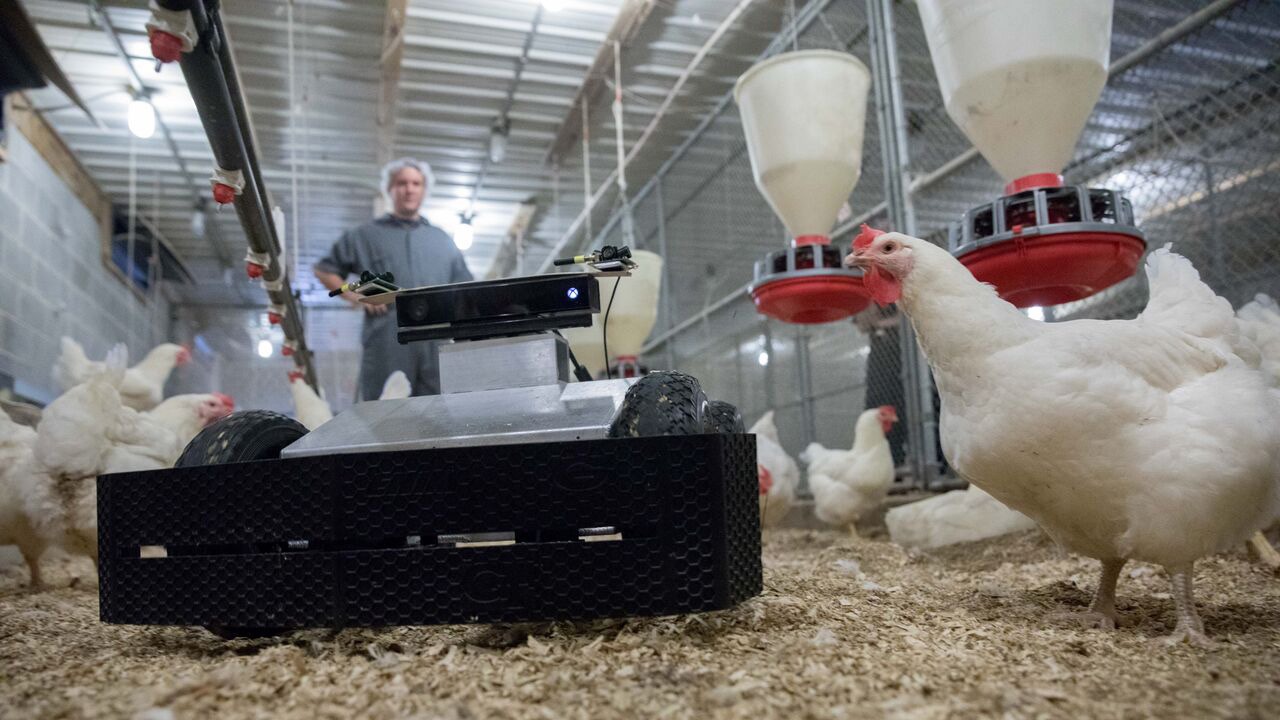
1020	77
803	114
635	310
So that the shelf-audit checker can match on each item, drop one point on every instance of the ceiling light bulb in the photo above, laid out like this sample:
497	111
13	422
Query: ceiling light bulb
142	119
763	359
1036	312
498	133
265	348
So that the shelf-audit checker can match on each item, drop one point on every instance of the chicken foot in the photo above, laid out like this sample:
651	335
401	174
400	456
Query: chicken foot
1102	611
1189	628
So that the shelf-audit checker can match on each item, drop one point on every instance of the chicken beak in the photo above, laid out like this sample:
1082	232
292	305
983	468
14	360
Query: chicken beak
857	260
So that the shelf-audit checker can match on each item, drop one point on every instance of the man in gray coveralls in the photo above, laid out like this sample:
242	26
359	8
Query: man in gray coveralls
418	253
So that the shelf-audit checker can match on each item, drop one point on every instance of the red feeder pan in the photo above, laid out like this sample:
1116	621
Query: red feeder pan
807	284
1045	244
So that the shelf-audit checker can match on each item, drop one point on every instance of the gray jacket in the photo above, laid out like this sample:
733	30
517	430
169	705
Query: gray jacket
418	254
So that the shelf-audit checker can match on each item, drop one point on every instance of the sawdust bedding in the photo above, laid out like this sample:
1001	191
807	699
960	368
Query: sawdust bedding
846	628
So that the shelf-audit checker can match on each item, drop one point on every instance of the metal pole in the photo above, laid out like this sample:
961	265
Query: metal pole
690	322
502	119
770	401
588	201
805	378
1181	29
1216	259
668	292
737	368
917	383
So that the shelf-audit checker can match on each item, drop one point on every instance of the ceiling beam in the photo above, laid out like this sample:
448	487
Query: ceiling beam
631	17
393	31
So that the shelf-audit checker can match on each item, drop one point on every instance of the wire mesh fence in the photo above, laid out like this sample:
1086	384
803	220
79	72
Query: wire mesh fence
1189	131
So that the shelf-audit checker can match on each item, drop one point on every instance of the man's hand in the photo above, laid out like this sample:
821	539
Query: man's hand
369	309
333	282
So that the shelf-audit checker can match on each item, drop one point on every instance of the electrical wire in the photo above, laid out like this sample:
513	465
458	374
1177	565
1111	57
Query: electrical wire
605	335
579	371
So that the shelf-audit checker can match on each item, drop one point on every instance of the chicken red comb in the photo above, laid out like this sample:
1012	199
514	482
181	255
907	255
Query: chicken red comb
225	399
866	236
888	409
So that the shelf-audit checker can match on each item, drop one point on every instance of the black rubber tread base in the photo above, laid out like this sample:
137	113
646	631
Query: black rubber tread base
661	403
723	417
686	508
242	437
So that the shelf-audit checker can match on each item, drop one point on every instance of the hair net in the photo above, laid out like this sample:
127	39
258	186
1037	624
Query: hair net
390	169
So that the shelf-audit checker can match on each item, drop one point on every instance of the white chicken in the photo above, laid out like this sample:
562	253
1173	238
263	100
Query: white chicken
88	432
184	416
1151	439
777	472
16	442
848	483
396	387
312	410
1260	322
958	516
143	384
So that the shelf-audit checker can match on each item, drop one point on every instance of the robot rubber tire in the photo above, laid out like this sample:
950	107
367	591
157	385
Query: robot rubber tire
722	417
242	437
661	403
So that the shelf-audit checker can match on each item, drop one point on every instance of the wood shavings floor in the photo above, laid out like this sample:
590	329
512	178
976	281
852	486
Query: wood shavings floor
846	628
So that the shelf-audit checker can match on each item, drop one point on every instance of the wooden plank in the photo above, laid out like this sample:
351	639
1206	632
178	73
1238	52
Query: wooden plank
631	17
50	146
393	30
504	261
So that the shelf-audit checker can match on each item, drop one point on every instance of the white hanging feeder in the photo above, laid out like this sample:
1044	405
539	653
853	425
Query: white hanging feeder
1020	78
631	319
803	114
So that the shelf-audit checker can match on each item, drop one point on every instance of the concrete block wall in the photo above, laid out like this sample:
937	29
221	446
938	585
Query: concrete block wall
53	280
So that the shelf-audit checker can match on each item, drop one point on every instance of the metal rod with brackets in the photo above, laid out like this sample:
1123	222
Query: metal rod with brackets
211	75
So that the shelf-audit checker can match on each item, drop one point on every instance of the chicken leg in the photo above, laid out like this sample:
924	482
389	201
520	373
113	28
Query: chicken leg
1102	611
32	557
1266	553
1189	628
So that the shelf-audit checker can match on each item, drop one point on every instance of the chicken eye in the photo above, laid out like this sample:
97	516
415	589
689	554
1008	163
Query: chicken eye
888	247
